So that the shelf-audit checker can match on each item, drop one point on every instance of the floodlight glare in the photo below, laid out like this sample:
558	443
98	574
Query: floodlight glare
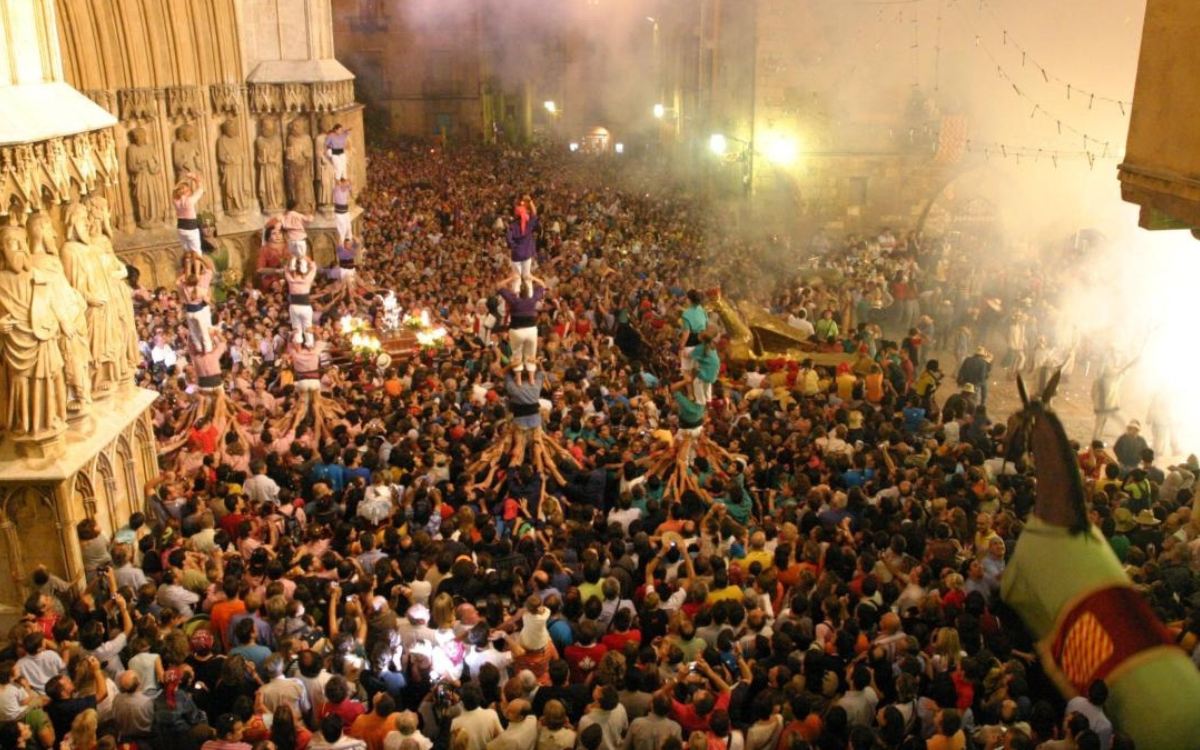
781	150
717	144
619	148
551	107
659	111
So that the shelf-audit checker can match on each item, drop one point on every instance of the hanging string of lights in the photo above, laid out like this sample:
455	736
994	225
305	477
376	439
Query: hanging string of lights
1089	141
1072	91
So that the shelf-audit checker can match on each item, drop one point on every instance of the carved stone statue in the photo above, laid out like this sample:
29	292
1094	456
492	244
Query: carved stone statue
57	170
83	156
268	154
142	163
299	164
231	163
87	274
124	328
31	362
70	309
185	152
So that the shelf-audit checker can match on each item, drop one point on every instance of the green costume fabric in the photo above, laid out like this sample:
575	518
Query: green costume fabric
1153	693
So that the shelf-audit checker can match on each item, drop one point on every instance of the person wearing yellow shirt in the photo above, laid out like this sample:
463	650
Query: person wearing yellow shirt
758	553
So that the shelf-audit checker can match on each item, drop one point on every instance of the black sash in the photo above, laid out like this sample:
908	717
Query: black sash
187	223
522	321
338	209
337	151
299	299
195	307
525	410
210	381
314	375
685	424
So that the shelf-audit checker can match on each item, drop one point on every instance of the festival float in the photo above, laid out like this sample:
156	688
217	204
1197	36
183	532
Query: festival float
399	336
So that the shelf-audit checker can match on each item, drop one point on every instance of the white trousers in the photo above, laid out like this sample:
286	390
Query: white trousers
339	165
301	318
523	269
524	347
199	325
190	239
701	391
342	223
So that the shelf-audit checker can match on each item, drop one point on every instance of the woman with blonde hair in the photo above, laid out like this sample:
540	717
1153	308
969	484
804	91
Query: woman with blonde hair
947	652
449	655
83	731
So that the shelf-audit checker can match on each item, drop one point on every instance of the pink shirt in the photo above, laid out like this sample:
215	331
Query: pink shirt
185	206
293	225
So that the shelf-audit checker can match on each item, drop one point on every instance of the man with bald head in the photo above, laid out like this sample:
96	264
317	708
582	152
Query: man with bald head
132	710
522	731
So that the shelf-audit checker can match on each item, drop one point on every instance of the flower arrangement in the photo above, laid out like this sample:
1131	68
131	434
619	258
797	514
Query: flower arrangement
350	324
418	320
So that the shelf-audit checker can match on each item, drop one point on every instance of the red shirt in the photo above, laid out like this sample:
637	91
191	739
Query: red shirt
348	709
204	440
689	720
230	522
584	660
617	641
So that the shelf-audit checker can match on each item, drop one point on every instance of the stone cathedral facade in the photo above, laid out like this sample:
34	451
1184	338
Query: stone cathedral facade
103	106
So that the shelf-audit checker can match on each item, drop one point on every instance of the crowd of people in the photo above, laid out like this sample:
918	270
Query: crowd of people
828	579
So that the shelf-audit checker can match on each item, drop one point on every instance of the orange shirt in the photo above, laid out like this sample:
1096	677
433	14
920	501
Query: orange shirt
220	617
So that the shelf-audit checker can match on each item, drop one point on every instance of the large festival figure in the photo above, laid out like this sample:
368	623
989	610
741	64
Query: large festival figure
1077	600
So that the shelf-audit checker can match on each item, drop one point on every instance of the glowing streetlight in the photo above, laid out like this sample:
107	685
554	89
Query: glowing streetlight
717	144
551	107
573	146
619	148
659	111
781	150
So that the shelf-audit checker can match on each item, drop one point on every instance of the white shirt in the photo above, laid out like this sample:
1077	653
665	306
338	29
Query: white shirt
481	725
12	701
40	667
501	660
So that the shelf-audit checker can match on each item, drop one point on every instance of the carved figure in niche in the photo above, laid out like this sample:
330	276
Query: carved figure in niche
124	331
298	168
70	308
268	154
34	390
231	163
23	183
144	167
56	169
185	152
84	159
326	169
86	273
106	146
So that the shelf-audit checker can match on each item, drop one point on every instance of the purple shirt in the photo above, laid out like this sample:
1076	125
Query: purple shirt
337	140
522	311
522	244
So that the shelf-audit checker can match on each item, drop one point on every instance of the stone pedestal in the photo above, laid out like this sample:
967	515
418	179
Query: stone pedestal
100	474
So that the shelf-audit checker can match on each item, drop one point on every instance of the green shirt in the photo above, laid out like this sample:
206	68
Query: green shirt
708	364
690	412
